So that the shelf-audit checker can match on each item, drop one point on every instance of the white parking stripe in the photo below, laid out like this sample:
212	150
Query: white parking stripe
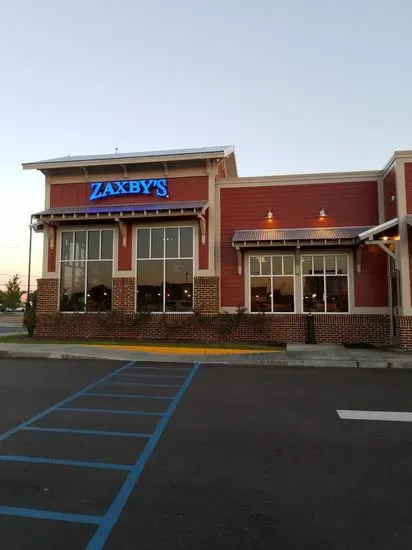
375	415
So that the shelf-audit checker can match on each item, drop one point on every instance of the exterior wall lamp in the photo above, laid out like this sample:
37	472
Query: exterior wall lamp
322	213
269	215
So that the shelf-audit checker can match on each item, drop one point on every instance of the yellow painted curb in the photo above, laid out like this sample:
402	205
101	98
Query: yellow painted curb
187	351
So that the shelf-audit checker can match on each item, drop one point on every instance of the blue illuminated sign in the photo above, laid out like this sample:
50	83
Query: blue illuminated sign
104	189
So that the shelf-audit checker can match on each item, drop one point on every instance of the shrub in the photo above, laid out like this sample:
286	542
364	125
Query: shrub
29	318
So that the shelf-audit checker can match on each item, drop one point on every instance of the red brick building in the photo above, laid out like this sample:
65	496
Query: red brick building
173	244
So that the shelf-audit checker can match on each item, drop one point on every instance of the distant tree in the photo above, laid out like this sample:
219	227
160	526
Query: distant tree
11	297
1	297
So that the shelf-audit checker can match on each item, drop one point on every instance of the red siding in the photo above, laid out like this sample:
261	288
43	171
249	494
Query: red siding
180	189
408	186
410	257
51	259
389	191
125	252
347	204
371	285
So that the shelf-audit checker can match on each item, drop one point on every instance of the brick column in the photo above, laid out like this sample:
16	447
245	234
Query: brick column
404	332
47	295
123	294
206	294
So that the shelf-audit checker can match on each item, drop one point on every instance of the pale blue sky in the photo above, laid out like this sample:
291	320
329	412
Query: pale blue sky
295	85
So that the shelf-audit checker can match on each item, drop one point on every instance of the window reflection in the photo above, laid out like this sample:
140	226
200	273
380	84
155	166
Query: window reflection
283	294
179	285
260	294
272	284
143	243
172	242
337	294
313	291
72	281
330	284
157	248
80	245
99	286
67	245
165	283
86	283
150	285
94	245
107	245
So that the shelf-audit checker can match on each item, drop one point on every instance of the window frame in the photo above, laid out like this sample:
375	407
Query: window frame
293	276
164	259
325	276
85	261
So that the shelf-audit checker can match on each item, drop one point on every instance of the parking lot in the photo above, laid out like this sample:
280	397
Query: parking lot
98	454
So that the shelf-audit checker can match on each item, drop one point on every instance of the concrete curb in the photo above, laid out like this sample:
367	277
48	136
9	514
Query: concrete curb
206	360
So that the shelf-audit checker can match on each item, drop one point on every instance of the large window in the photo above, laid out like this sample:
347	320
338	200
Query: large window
272	284
86	270
165	269
325	283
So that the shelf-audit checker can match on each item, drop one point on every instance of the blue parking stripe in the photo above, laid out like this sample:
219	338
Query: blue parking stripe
185	369
133	395
110	411
46	514
140	384
61	462
67	400
160	376
87	432
103	531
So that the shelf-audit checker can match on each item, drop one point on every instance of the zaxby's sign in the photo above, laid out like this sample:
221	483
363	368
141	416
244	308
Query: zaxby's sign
104	189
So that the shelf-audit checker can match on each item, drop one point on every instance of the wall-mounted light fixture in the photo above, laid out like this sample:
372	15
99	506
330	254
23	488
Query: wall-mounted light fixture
322	213
269	215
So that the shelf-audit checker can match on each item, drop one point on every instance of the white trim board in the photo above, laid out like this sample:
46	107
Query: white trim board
391	416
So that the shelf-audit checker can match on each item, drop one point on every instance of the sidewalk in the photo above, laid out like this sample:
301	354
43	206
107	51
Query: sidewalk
295	355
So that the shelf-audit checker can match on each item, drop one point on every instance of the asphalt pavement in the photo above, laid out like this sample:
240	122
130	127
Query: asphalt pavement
250	458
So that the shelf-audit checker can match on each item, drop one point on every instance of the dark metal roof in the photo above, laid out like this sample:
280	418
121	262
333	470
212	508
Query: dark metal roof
370	232
200	151
311	234
123	208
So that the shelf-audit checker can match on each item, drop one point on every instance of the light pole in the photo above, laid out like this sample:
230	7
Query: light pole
31	227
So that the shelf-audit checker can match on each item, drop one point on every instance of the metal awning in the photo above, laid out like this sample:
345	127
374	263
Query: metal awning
290	237
378	229
122	214
124	211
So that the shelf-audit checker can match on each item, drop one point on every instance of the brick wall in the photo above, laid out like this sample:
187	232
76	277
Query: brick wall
47	295
404	332
371	329
206	294
215	328
123	294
